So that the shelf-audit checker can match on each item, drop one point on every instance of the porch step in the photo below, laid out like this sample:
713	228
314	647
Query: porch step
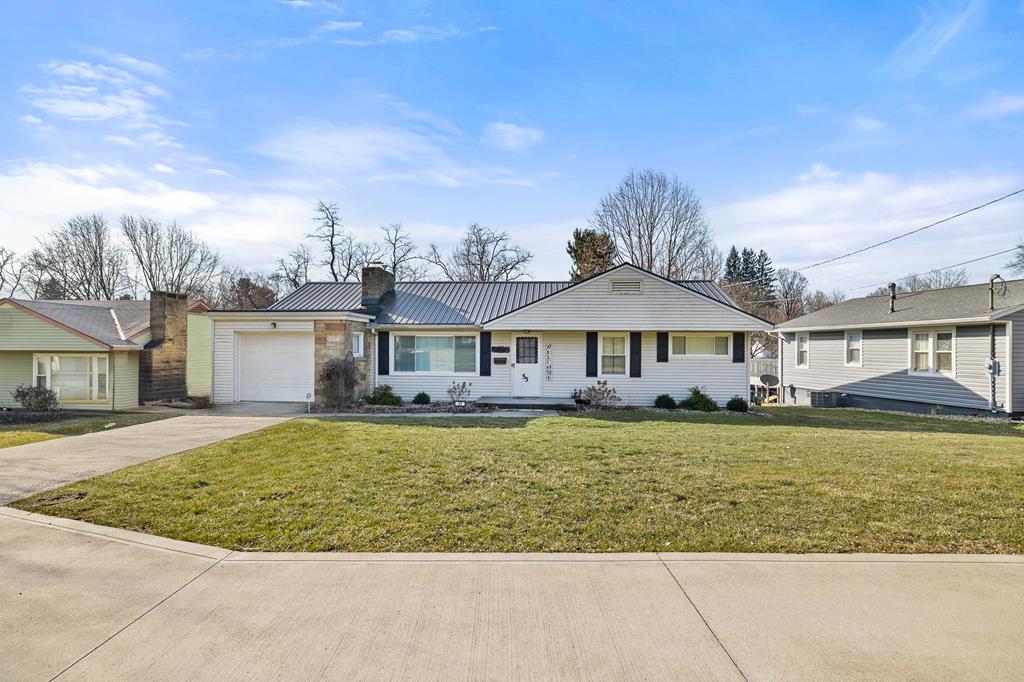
528	403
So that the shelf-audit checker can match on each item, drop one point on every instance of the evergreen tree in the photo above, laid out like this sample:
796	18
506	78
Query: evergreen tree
592	253
764	272
732	266
748	265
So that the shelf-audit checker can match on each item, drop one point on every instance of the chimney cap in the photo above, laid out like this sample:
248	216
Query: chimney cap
377	264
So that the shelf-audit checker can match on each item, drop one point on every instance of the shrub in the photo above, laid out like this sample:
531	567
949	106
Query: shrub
665	402
383	395
338	378
737	404
36	398
421	398
600	396
699	400
460	391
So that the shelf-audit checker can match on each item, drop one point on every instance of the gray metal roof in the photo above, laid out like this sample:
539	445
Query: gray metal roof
957	303
446	303
94	319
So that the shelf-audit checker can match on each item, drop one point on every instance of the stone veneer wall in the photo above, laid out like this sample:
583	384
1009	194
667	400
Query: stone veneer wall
163	362
333	339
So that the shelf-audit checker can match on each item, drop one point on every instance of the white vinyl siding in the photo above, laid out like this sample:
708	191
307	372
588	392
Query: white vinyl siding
885	370
661	305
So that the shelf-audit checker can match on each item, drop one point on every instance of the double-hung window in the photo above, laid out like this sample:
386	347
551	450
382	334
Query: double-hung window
700	344
854	342
74	378
435	354
932	351
357	344
613	354
803	349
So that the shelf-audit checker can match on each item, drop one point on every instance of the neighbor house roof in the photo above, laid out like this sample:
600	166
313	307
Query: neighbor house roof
447	303
935	305
97	320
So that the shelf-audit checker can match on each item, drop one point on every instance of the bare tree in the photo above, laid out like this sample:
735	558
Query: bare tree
12	269
169	257
1016	265
658	223
820	300
792	288
482	255
80	260
293	271
942	279
399	253
345	255
239	289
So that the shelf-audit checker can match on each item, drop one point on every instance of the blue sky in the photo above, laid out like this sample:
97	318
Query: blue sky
808	130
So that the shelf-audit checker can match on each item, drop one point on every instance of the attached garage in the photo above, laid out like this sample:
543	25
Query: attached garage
275	366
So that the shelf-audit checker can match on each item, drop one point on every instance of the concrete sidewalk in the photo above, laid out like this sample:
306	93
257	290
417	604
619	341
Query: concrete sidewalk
87	602
32	468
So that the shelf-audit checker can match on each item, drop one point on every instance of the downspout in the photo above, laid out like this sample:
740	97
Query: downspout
992	343
782	365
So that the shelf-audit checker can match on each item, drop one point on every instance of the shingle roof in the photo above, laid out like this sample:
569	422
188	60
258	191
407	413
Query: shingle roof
94	319
446	303
957	303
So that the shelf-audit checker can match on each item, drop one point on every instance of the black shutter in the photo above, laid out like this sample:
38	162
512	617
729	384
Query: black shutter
383	353
591	354
662	346
739	346
485	354
635	347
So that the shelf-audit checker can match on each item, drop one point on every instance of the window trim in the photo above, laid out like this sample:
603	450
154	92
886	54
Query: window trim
846	348
704	356
932	333
93	357
393	341
600	355
362	344
796	350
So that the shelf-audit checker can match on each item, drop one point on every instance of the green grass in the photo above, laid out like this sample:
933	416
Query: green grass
799	481
20	434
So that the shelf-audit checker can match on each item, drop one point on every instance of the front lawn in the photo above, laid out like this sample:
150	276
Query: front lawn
71	425
798	481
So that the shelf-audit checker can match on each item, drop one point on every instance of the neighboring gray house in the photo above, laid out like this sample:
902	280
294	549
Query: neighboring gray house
958	350
642	333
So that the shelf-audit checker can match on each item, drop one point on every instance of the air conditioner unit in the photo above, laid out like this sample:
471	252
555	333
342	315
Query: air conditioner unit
823	399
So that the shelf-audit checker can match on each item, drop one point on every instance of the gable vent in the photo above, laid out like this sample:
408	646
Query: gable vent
625	286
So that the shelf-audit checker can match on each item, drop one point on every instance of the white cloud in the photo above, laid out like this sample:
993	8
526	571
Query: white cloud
207	53
332	26
811	221
934	31
997	105
37	125
511	137
412	34
818	172
807	110
381	153
867	124
296	3
217	172
121	140
137	65
163	168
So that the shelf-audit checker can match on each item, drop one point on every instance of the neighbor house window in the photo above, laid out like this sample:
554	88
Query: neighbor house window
613	354
700	344
357	344
854	344
932	351
803	349
440	354
74	378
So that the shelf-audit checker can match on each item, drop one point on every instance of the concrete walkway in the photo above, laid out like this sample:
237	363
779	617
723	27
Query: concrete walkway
86	602
32	468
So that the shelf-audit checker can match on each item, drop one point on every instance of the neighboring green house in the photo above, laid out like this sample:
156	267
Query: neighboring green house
102	355
199	371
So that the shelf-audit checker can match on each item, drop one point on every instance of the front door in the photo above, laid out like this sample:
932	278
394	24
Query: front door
526	367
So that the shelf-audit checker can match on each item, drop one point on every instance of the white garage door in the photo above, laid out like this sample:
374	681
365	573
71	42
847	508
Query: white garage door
275	366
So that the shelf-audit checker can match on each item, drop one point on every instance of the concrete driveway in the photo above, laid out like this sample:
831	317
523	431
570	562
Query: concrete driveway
87	602
32	468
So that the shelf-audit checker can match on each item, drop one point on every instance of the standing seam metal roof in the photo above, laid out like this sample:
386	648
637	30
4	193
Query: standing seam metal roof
448	303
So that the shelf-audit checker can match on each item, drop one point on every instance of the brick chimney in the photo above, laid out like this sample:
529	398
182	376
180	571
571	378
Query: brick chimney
162	366
378	286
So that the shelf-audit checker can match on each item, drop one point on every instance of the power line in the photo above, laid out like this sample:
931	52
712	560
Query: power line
897	237
932	272
907	234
